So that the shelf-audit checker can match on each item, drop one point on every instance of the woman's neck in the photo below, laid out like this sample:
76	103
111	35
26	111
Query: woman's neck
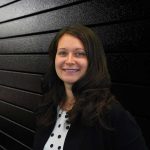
69	94
70	100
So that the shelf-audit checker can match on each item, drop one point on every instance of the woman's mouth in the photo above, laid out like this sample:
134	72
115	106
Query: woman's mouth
71	70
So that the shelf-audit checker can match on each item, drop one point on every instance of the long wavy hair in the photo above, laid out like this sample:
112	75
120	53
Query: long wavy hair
92	92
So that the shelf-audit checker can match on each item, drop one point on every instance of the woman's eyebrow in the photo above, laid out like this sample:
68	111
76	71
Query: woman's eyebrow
61	49
80	49
76	49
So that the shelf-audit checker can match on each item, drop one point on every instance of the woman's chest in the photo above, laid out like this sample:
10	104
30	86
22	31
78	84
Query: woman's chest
84	138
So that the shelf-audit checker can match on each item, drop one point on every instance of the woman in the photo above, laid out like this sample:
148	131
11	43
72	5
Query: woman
78	111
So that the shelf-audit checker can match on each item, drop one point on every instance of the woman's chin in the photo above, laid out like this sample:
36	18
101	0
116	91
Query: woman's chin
69	82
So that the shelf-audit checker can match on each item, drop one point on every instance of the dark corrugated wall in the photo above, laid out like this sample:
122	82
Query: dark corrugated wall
26	29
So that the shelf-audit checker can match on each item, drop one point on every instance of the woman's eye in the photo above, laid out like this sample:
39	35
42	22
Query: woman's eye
80	54
62	53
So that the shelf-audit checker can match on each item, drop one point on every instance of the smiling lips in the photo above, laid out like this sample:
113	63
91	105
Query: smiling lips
68	70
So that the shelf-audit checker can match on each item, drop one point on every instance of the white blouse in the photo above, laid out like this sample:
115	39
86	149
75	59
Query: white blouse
57	138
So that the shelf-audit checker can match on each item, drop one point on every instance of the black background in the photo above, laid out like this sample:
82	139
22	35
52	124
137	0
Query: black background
26	29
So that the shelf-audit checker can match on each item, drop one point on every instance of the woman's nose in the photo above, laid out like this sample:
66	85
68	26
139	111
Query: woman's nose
70	59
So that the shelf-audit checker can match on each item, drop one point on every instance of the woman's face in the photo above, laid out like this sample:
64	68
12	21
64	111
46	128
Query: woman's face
71	59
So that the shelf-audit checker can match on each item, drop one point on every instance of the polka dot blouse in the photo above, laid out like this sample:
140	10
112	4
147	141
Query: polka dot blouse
58	135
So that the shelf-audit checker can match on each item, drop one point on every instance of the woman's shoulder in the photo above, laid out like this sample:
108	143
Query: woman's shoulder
118	114
127	132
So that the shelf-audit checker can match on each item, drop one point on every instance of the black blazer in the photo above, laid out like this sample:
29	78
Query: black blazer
125	136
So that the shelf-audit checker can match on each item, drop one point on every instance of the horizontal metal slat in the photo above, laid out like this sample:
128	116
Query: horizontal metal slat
85	13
